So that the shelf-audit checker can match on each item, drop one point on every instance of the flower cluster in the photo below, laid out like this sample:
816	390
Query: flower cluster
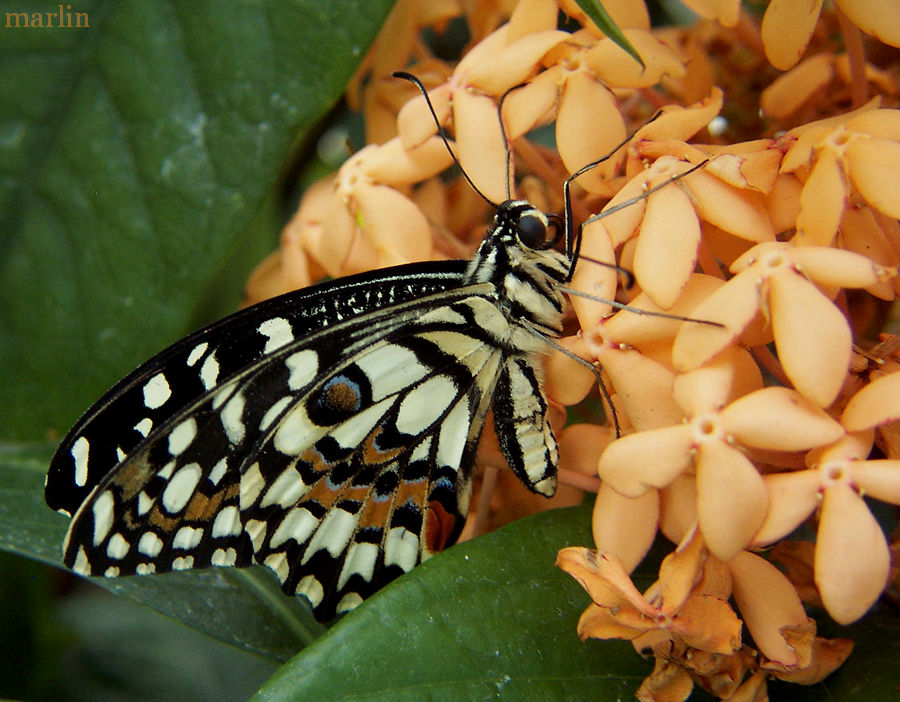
758	210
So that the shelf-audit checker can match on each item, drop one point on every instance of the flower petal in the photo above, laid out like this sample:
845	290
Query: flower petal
643	387
731	374
678	508
393	225
731	499
787	93
604	579
852	558
878	479
821	202
834	267
779	418
588	127
565	380
635	463
786	30
768	602
480	146
879	20
525	107
792	498
617	69
625	526
414	121
593	279
736	211
666	250
512	64
877	403
812	336
393	164
708	624
874	166
734	305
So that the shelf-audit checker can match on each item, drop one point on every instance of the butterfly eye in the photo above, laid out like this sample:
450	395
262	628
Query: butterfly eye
531	231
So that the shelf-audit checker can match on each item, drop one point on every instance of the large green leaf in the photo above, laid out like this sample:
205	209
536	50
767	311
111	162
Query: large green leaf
492	617
134	155
245	607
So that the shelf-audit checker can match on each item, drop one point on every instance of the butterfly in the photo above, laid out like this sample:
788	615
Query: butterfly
330	433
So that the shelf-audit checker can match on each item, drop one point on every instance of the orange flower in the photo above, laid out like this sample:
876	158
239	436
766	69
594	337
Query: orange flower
731	496
852	560
812	336
788	25
861	149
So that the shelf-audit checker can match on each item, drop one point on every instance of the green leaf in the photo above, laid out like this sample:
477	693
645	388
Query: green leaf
599	16
134	155
119	651
242	607
492	617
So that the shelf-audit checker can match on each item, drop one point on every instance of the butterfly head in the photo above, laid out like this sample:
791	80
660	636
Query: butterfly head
518	257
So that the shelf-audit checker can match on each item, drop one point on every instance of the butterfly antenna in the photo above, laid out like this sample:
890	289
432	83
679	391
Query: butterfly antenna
573	243
415	81
506	138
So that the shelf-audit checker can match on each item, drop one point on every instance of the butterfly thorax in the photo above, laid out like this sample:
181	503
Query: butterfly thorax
515	257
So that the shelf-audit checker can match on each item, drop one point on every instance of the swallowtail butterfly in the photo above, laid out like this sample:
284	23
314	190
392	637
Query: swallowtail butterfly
330	433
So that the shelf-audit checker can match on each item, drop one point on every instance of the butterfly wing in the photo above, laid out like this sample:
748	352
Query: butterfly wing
198	363
339	460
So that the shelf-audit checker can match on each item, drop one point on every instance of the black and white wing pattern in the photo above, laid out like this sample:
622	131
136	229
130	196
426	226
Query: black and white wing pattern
339	452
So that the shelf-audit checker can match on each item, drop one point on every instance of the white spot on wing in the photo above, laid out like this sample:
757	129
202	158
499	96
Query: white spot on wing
272	413
298	524
182	436
80	450
181	487
144	426
117	548
295	432
223	557
227	522
150	544
209	372
187	538
333	534
279	332
145	568
218	471
183	563
351	600
391	369
81	564
156	391
361	558
454	434
424	404
285	490
351	432
401	548
252	484
311	589
303	367
278	563
103	516
197	353
231	415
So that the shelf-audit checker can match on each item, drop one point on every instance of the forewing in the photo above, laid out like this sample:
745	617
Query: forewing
203	361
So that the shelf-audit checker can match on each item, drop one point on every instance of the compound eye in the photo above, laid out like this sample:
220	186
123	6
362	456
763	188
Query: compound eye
532	231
